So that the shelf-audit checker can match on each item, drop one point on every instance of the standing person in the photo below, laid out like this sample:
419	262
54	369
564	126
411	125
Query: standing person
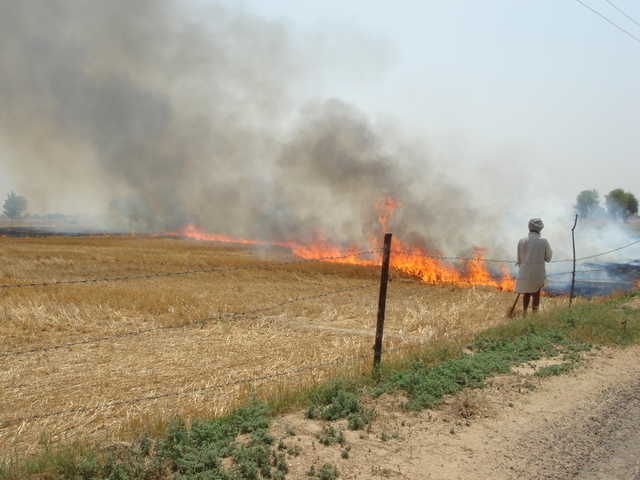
533	252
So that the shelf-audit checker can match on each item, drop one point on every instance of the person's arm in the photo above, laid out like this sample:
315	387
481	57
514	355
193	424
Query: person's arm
548	253
518	259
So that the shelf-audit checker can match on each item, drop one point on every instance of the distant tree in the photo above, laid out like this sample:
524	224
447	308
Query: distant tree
621	204
632	205
587	203
14	205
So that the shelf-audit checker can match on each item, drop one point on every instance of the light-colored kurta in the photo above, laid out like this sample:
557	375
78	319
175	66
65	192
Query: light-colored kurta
533	251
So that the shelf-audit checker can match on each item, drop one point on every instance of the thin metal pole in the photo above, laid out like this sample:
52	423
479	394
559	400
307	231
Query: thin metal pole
573	273
382	300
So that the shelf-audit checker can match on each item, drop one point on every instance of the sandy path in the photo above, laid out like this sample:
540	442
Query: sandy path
584	425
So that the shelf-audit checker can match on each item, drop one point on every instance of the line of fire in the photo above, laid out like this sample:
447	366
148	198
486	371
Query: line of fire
431	267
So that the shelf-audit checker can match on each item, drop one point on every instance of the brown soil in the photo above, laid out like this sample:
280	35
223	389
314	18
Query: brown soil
582	425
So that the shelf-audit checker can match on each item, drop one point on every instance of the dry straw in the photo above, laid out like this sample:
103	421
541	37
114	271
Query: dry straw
203	369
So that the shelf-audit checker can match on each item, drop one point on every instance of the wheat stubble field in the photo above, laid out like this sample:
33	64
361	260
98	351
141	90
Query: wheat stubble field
206	367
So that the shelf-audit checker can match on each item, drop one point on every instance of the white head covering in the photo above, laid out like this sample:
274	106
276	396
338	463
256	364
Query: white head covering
535	225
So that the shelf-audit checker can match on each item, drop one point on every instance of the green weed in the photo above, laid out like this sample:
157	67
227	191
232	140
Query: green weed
182	451
427	385
338	399
550	370
326	472
329	436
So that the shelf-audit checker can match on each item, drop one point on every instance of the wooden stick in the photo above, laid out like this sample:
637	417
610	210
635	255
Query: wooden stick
510	314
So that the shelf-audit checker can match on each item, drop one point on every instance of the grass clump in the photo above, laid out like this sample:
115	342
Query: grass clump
327	471
611	321
549	370
338	399
234	447
199	451
329	436
427	384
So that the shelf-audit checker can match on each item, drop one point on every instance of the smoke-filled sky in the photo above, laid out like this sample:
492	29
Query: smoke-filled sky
513	90
285	118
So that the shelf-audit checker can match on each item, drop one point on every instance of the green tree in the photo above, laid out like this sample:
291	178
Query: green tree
621	203
587	203
14	205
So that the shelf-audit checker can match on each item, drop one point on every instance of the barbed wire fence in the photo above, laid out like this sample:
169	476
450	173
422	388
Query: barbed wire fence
439	258
375	355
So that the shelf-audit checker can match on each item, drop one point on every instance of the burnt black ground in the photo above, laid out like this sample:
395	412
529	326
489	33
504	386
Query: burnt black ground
598	279
22	231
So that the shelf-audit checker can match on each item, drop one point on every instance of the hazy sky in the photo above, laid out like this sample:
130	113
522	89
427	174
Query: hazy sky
252	116
511	90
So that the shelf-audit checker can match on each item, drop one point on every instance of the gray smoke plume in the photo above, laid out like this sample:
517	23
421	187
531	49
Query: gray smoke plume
168	114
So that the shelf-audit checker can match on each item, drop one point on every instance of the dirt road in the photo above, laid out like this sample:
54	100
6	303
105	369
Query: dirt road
594	433
584	425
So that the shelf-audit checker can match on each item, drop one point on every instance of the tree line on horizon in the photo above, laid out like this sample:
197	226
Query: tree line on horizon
618	203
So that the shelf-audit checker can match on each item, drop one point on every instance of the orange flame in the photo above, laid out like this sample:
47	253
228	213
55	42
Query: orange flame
319	247
322	248
430	267
387	207
191	231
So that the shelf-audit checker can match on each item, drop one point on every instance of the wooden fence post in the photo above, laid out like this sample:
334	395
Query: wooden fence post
573	273
382	300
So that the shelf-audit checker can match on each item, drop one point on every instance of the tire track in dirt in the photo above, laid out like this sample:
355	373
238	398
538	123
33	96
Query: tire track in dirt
598	439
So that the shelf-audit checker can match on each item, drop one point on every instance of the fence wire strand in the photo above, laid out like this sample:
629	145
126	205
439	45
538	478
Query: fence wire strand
293	262
489	260
180	393
186	272
233	383
183	325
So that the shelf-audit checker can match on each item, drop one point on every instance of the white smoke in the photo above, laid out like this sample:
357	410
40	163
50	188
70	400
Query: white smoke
163	112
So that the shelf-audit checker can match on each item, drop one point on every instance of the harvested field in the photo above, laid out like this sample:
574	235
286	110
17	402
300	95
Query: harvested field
146	366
